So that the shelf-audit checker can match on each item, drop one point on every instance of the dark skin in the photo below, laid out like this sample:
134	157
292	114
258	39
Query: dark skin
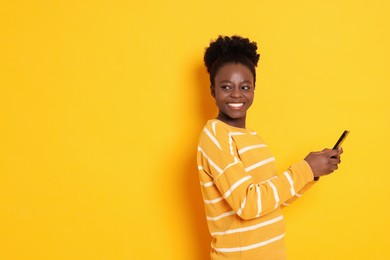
234	93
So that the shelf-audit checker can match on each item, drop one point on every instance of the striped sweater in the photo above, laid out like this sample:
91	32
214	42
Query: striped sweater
243	194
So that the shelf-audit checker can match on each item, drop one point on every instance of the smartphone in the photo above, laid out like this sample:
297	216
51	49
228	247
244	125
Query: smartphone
341	139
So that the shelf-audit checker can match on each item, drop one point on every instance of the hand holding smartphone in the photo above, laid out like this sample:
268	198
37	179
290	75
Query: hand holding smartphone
337	145
313	161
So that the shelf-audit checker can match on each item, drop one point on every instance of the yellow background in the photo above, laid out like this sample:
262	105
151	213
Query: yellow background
101	104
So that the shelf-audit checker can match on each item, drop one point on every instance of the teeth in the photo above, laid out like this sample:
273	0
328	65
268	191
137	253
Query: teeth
235	104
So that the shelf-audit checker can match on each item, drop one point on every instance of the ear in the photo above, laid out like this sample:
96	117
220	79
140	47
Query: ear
212	91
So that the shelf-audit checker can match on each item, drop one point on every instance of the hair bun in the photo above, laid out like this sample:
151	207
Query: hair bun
225	46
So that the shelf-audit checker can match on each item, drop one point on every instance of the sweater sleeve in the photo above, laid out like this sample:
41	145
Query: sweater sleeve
299	194
236	186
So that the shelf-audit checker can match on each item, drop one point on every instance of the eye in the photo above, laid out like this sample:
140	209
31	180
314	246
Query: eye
226	87
246	87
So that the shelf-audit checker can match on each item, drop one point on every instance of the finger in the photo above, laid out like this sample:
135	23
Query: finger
334	160
330	171
332	168
334	153
341	150
335	157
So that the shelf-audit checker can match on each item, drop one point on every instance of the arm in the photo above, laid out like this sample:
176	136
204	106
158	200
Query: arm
329	157
235	185
299	194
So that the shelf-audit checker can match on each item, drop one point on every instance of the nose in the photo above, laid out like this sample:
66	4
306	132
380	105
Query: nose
236	93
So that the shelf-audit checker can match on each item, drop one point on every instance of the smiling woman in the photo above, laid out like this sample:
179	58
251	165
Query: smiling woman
242	192
233	92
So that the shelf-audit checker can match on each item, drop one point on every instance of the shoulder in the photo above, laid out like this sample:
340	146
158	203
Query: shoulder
220	134
215	128
213	132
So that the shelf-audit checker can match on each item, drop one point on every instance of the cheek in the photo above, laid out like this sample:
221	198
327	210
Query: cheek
219	96
250	98
218	101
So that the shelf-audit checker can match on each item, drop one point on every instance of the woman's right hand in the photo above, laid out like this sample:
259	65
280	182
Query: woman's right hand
324	162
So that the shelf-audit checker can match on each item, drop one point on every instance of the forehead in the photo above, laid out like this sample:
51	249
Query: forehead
234	71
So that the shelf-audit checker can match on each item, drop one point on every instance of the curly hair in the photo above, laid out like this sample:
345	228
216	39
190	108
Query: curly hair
227	49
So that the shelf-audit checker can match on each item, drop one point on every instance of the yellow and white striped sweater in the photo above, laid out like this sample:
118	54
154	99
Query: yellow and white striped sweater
243	194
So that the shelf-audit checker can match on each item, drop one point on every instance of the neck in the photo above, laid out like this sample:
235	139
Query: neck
235	122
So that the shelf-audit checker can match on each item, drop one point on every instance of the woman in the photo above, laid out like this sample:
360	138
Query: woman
242	192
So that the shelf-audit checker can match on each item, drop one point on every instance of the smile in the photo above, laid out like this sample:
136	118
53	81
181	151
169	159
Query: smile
235	105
